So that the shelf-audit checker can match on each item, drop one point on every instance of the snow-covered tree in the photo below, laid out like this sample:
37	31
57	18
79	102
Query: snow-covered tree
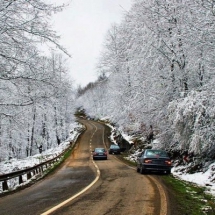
36	97
159	63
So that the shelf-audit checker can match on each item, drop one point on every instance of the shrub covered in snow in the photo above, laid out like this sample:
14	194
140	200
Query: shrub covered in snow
193	123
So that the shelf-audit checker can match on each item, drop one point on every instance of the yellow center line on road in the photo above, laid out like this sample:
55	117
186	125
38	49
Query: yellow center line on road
76	195
79	193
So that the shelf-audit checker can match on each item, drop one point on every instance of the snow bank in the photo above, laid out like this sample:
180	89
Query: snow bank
204	179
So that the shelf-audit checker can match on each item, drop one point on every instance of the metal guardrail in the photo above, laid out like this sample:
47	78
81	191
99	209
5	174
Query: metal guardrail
37	169
30	172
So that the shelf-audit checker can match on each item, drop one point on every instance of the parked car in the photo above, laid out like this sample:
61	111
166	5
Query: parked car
114	149
99	153
154	160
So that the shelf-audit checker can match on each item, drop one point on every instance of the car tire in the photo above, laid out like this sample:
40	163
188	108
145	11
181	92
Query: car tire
142	171
138	169
168	172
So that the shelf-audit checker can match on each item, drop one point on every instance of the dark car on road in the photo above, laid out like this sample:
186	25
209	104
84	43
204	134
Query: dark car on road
154	160
114	149
99	153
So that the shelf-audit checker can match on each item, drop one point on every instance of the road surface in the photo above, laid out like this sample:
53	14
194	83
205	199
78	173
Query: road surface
115	187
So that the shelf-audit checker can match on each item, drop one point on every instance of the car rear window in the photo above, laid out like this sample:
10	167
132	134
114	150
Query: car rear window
155	153
100	150
114	147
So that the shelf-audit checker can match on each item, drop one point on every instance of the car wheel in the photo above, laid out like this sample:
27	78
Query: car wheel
142	171
168	172
138	169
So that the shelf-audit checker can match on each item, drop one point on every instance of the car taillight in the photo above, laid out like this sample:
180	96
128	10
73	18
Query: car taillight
147	161
94	153
168	162
105	153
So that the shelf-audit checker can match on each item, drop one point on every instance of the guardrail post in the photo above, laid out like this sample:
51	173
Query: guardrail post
20	179
28	175
4	185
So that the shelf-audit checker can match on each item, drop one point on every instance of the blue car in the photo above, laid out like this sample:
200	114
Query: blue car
114	149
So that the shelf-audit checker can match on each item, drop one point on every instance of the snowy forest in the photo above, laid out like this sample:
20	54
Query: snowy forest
36	95
156	70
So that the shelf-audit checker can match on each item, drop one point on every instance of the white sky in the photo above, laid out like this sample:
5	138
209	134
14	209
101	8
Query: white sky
82	27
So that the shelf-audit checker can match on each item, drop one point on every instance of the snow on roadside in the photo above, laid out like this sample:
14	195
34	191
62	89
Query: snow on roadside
204	179
116	132
19	164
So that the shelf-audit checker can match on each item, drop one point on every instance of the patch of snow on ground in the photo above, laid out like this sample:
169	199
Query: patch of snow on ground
204	179
127	138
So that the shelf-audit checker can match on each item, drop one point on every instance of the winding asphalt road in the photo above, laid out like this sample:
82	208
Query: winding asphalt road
83	187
